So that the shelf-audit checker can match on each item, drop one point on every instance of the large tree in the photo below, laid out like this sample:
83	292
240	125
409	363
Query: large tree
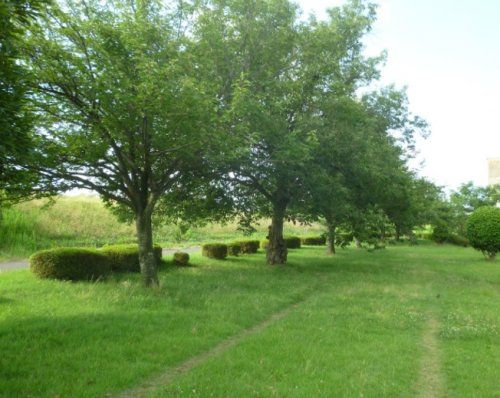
121	109
274	70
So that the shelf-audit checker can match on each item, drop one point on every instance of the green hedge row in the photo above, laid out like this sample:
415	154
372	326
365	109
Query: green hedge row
291	242
70	264
78	263
125	258
313	240
214	250
248	246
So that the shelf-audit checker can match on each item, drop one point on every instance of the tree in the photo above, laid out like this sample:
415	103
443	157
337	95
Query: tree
121	109
15	118
274	71
360	177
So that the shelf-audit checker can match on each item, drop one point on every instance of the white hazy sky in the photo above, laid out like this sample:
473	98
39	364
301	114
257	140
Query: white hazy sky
447	52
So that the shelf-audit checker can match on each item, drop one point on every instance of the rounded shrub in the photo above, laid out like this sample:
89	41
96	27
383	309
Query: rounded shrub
125	258
313	240
483	230
233	249
214	250
264	243
292	242
181	258
248	246
67	263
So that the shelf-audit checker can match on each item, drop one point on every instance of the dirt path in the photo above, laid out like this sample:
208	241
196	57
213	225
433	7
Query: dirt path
23	264
431	381
11	265
184	367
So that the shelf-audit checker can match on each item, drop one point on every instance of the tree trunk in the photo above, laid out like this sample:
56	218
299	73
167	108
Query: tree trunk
276	249
357	242
147	260
397	233
330	237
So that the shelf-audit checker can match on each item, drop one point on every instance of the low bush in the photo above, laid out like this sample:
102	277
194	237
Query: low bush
313	240
248	246
292	242
125	258
264	243
214	250
483	230
73	264
181	258
233	249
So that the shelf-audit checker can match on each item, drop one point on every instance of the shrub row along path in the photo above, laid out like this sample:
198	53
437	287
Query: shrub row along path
22	264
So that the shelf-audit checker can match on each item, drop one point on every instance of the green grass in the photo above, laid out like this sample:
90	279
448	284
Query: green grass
84	221
354	329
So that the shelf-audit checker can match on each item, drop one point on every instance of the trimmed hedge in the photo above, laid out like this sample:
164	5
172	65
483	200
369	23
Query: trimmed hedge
214	250
125	258
313	240
233	249
483	230
181	258
292	242
248	246
69	263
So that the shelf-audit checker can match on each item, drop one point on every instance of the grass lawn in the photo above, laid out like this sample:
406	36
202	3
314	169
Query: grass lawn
401	322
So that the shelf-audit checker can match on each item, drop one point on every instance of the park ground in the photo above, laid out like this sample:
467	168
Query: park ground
401	322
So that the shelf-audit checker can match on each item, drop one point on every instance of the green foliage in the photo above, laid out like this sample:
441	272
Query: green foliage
468	198
440	233
233	248
248	246
458	240
214	250
181	258
313	240
125	257
483	230
292	242
16	118
70	264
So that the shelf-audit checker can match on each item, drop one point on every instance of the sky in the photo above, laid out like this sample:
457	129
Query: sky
447	54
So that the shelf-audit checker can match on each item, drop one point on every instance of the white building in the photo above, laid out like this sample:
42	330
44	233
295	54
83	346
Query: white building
494	171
